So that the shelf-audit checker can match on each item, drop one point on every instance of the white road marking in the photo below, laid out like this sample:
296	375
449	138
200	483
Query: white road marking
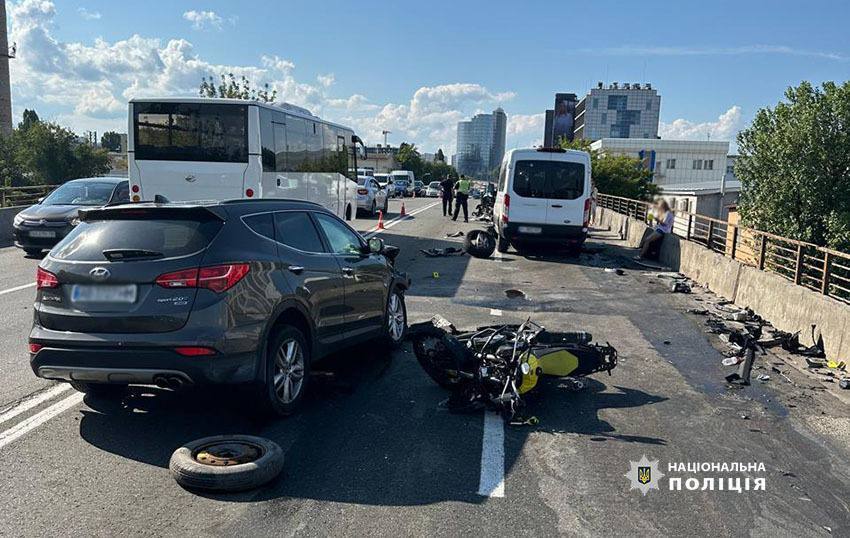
17	288
33	401
375	231
21	428
492	480
495	312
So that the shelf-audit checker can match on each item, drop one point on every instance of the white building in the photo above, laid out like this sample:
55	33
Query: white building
692	174
618	111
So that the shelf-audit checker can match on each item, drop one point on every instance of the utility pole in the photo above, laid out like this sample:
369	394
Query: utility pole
385	132
5	84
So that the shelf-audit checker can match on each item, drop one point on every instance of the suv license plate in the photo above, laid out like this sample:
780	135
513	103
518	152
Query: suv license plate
530	229
82	293
42	233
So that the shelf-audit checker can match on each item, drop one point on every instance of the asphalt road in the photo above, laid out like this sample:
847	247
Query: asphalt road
374	453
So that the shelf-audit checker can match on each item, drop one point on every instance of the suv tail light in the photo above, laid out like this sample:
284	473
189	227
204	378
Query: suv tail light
587	205
194	351
45	279
507	205
217	278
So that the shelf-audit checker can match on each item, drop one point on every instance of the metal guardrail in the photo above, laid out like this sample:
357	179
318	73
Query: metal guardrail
14	196
818	268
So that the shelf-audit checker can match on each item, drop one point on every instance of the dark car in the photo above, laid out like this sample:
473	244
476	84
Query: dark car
41	226
244	292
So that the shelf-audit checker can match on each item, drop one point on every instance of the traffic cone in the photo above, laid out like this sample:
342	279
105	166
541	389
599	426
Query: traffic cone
402	209
380	220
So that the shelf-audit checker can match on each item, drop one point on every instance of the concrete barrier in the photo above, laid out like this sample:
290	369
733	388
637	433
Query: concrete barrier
787	306
7	215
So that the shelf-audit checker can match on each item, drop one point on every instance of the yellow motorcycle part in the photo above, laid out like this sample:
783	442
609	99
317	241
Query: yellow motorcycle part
558	363
529	380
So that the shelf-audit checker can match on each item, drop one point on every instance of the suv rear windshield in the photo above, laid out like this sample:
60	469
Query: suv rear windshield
170	238
549	179
190	132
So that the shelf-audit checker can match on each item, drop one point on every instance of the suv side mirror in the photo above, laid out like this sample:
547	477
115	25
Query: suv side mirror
376	245
40	200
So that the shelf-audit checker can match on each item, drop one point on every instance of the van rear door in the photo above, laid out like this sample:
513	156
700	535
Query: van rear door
529	200
565	191
190	151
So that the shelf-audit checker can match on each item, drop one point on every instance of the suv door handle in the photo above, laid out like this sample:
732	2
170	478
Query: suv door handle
297	269
557	205
347	271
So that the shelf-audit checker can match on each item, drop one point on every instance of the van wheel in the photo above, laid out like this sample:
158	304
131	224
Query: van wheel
502	244
100	390
287	371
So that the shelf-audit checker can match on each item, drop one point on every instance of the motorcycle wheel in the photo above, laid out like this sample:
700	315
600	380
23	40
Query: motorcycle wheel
479	243
439	355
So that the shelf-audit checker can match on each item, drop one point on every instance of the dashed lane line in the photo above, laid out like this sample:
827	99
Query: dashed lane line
22	428
492	480
17	288
495	312
33	401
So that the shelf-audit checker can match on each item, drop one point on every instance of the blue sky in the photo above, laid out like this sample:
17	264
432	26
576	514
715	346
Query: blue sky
417	68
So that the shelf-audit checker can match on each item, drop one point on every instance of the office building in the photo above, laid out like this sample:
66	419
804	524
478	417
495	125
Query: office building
481	144
618	111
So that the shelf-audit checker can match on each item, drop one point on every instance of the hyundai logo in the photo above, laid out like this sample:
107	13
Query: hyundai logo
190	178
99	274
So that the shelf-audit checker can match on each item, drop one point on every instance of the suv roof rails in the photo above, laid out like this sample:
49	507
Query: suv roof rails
255	200
551	150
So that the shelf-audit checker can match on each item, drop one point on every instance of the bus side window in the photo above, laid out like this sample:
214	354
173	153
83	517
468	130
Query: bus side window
314	147
267	140
296	140
329	149
280	147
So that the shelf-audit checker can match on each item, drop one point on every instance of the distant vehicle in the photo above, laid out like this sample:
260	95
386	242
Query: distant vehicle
382	179
223	149
363	172
417	188
240	293
543	196
403	181
44	224
371	197
433	190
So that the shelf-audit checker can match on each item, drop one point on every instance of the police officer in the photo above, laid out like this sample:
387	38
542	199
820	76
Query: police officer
446	186
461	198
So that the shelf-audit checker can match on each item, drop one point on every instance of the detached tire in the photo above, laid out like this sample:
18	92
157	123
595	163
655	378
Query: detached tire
233	463
479	243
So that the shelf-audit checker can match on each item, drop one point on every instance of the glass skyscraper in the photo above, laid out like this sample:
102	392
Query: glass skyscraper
481	144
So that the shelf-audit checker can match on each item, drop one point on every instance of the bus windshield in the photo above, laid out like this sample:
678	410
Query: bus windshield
191	132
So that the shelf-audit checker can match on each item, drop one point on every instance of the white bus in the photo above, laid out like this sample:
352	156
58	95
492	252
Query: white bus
221	149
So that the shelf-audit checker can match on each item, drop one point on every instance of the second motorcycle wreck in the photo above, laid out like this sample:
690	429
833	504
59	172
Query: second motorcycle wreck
493	367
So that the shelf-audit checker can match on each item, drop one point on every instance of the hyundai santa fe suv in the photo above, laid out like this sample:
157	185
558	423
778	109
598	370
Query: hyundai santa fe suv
239	292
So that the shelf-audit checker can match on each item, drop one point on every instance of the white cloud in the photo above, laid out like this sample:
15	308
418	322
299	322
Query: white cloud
525	130
90	83
88	15
201	19
725	128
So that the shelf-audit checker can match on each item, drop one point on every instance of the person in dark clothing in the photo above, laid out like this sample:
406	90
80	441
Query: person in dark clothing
446	186
462	189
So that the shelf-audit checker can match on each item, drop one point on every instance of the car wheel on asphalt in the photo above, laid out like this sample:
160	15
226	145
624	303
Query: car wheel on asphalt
386	204
374	209
287	371
226	463
502	244
100	390
32	251
395	319
479	243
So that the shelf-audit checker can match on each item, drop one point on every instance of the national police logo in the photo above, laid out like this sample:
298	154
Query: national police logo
644	475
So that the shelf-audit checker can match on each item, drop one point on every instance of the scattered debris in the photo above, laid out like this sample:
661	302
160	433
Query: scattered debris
764	378
455	234
813	362
680	286
698	311
437	252
731	361
844	383
615	270
435	275
515	294
666	342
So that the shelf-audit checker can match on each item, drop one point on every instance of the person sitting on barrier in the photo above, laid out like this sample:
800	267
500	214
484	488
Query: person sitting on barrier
663	220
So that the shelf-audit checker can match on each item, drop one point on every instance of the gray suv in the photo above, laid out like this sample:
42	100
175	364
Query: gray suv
239	292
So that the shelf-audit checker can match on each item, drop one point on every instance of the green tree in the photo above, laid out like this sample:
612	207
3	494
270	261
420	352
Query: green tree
111	141
236	88
409	158
794	166
617	175
29	119
440	156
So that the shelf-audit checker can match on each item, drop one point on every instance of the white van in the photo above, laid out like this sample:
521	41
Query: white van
543	196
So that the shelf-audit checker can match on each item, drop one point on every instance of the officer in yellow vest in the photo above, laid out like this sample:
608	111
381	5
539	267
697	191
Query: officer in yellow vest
461	197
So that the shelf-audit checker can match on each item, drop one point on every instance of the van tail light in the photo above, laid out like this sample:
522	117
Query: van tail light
217	278
194	351
362	191
588	203
45	279
507	205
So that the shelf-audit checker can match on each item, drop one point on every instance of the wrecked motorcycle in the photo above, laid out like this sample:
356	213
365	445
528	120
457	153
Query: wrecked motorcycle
492	367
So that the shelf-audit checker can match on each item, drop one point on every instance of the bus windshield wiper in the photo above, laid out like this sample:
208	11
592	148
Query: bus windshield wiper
119	254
